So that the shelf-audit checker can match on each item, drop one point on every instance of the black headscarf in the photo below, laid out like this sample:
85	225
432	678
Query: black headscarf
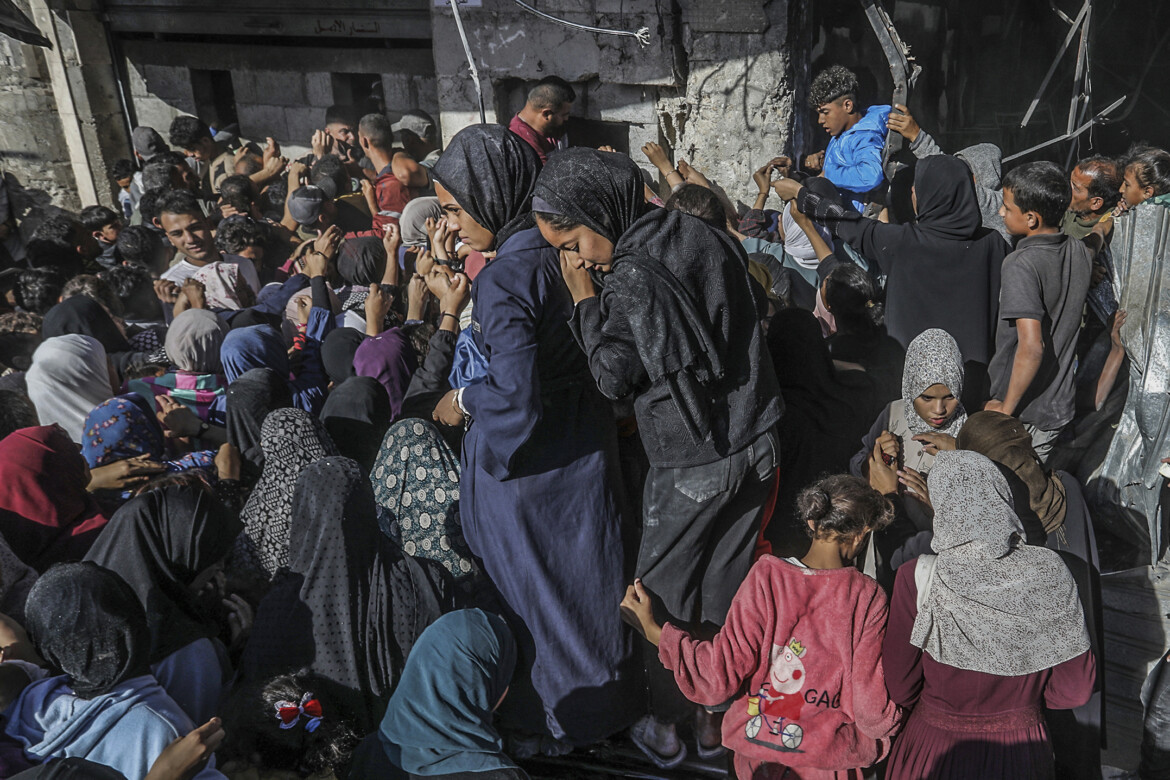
491	172
603	191
350	606
159	543
671	274
357	414
947	204
362	261
84	316
337	351
249	400
87	622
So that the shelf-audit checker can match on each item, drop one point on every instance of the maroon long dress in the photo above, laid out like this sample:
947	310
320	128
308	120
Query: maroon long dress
970	724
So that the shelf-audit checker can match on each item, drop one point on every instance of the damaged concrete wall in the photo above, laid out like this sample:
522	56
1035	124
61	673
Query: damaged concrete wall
33	157
714	84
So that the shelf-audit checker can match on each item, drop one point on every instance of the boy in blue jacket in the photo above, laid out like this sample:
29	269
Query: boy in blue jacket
853	160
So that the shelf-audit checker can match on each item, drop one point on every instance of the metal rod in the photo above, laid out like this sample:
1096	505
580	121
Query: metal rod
1081	73
470	60
1072	31
1074	134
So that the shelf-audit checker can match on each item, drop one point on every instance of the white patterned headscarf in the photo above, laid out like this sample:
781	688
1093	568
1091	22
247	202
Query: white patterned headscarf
933	358
995	605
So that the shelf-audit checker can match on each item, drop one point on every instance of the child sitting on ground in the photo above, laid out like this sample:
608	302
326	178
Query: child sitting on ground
853	159
805	635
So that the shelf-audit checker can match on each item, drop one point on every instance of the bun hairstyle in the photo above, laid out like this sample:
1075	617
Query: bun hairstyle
842	507
317	741
854	299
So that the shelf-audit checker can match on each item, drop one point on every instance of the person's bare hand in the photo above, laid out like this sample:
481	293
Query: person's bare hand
1117	320
271	148
883	476
902	122
994	405
240	615
122	474
890	445
443	241
367	188
693	176
179	421
787	189
638	612
328	242
272	167
227	210
196	293
314	264
297	171
915	484
186	756
454	299
322	143
166	291
763	177
377	307
815	162
577	279
227	461
446	412
934	443
416	296
657	157
391	241
424	262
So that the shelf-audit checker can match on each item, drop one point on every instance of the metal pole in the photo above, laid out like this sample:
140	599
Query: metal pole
1072	31
470	60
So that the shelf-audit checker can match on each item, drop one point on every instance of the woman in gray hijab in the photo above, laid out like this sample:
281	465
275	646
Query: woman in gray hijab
981	636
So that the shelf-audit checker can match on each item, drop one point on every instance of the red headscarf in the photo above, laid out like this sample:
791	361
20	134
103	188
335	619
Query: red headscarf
46	514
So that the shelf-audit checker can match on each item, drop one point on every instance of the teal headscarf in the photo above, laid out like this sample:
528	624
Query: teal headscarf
440	717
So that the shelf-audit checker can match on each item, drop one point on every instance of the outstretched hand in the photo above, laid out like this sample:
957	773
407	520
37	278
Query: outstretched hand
186	756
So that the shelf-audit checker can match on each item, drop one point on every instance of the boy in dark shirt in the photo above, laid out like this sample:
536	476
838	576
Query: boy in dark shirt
1042	294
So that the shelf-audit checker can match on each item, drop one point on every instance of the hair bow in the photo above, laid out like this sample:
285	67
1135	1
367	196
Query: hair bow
289	714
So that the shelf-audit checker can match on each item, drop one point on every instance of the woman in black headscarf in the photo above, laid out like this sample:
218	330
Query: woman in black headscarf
357	414
85	316
337	353
675	329
942	270
249	400
350	606
163	543
104	706
826	414
537	425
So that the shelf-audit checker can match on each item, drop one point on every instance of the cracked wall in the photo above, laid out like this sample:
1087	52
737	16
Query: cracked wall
714	84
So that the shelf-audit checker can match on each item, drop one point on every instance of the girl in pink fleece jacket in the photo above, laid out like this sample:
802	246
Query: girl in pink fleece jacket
800	653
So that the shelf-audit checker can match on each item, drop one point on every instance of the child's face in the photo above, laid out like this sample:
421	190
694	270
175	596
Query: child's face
109	233
1017	222
1132	192
936	405
124	183
835	116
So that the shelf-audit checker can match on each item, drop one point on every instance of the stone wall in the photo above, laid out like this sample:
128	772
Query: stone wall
33	157
714	85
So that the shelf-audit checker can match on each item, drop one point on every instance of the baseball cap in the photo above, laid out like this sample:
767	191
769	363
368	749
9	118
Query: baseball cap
418	122
147	142
304	204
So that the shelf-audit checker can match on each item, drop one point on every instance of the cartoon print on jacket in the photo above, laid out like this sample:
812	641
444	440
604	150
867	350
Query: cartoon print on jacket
778	703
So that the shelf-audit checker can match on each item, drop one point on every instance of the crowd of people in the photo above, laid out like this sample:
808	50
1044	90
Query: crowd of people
405	461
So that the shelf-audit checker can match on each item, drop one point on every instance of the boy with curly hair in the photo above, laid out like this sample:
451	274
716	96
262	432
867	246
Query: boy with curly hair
853	159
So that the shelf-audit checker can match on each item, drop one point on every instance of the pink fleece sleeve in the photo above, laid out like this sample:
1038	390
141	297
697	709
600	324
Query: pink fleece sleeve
711	673
873	711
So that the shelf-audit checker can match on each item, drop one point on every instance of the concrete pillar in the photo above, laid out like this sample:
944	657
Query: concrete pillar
86	90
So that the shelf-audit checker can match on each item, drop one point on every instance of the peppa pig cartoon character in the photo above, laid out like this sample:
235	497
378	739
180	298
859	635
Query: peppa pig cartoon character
779	699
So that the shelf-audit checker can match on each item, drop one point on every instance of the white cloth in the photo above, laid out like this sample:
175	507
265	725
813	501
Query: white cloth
185	269
995	605
796	242
69	376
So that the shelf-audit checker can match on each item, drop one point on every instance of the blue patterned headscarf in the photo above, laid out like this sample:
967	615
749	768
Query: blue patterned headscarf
123	427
